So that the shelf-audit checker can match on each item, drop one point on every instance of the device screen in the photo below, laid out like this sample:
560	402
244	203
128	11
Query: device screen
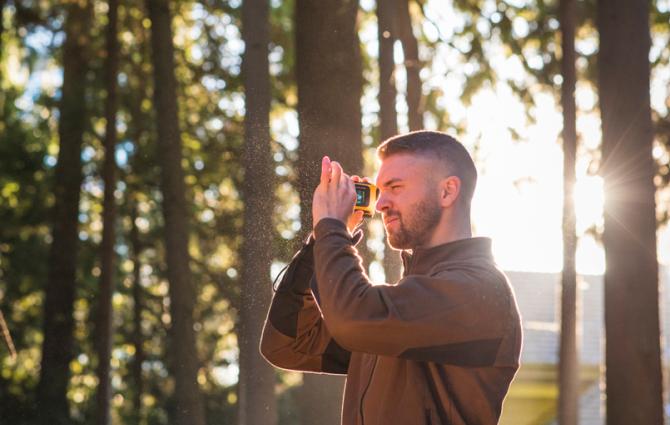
360	196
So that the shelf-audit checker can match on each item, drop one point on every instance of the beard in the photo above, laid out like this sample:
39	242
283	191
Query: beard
416	227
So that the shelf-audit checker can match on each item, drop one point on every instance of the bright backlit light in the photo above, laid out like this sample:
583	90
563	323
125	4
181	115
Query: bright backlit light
519	200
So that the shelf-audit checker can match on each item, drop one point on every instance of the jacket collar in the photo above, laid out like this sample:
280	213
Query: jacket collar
422	260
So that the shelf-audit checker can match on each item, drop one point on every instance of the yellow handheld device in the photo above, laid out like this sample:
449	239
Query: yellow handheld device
366	198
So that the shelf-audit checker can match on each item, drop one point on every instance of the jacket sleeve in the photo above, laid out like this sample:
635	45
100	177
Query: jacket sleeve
455	316
295	336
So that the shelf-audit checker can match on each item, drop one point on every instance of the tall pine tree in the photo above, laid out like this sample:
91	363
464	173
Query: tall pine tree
568	377
184	363
633	362
329	113
258	403
387	33
104	328
57	346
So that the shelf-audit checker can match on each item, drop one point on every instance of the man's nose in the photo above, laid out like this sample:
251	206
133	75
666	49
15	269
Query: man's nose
382	203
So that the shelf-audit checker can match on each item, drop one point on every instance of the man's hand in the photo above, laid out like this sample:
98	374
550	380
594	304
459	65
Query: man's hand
357	217
335	196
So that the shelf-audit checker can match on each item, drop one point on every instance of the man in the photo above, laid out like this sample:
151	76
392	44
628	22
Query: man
440	346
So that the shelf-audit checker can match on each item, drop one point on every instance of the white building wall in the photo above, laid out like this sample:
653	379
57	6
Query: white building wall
538	297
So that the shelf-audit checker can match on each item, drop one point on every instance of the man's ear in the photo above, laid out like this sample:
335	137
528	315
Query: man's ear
450	189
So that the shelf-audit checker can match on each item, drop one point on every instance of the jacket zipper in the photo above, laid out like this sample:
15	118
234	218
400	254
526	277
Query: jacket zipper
366	390
410	265
429	421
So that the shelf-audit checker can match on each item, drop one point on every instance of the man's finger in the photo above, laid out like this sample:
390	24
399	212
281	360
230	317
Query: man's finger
336	172
345	179
325	170
355	178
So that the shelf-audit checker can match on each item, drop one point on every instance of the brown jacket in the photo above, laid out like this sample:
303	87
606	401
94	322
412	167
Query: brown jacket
441	346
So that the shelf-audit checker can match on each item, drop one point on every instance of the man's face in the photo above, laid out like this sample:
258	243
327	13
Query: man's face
409	199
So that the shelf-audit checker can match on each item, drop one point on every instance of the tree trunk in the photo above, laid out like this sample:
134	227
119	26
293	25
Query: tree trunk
189	408
331	127
138	338
258	404
568	382
410	48
633	374
104	326
329	112
58	340
137	118
388	116
386	34
2	31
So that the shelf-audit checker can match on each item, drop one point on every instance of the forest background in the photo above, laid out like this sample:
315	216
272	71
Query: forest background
157	160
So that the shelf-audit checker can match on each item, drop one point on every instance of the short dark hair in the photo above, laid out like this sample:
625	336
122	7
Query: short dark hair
438	146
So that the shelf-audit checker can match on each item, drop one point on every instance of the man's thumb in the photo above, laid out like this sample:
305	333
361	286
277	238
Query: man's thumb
325	170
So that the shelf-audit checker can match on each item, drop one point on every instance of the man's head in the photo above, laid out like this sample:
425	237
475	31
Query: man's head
427	180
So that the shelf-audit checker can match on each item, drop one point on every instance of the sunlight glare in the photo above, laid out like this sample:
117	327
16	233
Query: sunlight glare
518	202
589	200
